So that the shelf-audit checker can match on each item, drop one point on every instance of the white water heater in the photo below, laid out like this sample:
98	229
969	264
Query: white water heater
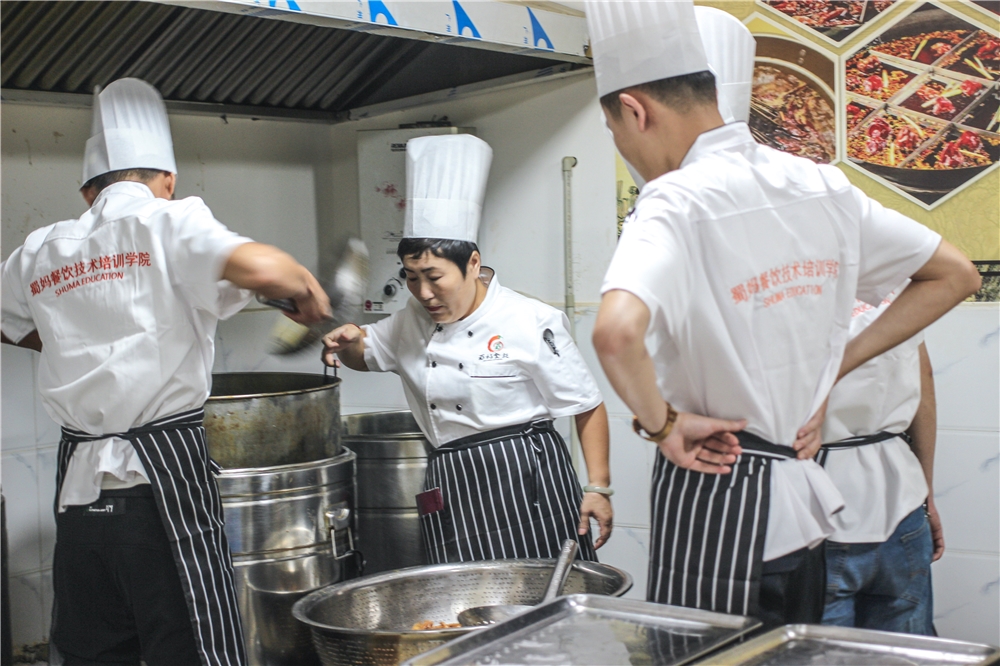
382	181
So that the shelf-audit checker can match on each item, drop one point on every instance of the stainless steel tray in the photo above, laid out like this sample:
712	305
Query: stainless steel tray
585	629
800	644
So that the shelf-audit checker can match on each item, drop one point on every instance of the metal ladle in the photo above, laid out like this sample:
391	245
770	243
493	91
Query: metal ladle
479	616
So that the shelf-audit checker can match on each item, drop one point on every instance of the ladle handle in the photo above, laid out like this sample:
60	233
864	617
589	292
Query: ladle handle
563	566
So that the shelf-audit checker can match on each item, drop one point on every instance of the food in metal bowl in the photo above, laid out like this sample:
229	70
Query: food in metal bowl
889	137
980	56
431	625
791	115
985	115
924	48
943	98
856	113
822	13
868	76
959	149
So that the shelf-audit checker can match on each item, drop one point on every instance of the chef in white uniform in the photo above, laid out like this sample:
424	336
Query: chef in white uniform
730	295
485	371
881	428
123	304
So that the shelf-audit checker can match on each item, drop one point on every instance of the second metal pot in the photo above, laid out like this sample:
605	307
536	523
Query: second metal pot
265	419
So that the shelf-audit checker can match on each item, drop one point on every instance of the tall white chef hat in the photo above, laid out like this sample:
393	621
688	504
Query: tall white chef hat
730	49
637	41
445	186
129	130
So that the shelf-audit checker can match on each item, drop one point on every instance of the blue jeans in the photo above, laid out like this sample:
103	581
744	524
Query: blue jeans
885	585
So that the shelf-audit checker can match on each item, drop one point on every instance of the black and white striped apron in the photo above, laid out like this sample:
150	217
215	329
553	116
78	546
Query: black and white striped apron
707	545
852	442
506	493
174	453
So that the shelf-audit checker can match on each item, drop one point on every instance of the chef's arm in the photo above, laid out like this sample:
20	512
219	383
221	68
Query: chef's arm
923	433
30	341
592	426
275	274
947	279
696	442
346	344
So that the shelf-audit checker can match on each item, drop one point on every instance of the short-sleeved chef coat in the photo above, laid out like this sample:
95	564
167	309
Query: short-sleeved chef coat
511	361
749	261
882	483
126	300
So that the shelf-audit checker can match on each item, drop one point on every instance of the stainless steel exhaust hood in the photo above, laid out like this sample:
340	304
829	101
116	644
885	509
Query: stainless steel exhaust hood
326	61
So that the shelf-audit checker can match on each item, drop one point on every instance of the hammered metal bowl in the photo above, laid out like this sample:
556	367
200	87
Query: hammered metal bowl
368	621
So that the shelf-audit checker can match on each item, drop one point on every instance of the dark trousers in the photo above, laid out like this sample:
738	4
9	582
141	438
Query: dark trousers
793	589
118	596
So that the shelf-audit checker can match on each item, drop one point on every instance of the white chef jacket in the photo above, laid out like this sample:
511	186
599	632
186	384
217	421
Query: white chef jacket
126	300
749	261
882	483
511	361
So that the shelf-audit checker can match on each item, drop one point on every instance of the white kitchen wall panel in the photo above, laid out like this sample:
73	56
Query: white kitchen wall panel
631	470
966	470
19	395
963	346
19	474
967	597
46	465
628	550
28	608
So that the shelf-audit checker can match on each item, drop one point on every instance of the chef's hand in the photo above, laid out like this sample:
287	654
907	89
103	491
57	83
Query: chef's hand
937	532
313	306
346	340
810	436
703	444
598	507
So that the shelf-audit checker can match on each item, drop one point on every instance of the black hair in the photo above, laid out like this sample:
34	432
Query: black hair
111	177
456	251
678	92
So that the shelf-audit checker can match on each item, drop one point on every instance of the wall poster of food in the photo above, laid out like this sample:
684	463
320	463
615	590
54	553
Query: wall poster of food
792	106
903	96
831	20
922	103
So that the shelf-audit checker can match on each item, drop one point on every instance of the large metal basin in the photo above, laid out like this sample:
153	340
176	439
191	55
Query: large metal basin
392	458
266	419
369	621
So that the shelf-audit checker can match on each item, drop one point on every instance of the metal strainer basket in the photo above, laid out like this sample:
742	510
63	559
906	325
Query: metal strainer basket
368	621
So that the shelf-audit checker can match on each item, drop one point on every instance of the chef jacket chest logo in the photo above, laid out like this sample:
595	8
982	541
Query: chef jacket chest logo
495	347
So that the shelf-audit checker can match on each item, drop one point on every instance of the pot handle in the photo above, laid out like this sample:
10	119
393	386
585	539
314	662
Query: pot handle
338	520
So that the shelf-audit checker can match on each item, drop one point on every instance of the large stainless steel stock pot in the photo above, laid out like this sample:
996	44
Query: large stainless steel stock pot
290	523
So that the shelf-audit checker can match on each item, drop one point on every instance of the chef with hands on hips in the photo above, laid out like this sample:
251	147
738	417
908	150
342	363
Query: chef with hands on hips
123	305
485	371
730	294
880	429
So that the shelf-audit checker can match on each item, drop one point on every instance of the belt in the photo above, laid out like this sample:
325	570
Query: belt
482	438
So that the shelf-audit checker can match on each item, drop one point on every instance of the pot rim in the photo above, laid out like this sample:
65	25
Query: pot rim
329	382
305	604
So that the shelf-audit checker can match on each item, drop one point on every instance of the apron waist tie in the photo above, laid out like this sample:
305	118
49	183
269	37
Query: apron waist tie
863	440
482	438
758	446
188	419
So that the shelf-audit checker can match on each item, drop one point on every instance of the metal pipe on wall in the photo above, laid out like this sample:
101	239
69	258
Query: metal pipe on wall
568	163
